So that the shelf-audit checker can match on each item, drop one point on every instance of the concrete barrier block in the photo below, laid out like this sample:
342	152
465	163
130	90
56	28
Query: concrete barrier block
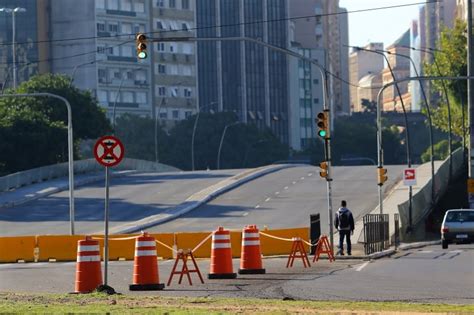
17	248
191	240
271	246
165	238
58	247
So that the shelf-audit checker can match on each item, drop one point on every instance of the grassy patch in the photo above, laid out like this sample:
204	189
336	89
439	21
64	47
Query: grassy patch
125	304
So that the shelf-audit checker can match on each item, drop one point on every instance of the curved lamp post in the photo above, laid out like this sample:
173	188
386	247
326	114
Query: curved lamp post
78	66
445	89
428	110
194	131
222	141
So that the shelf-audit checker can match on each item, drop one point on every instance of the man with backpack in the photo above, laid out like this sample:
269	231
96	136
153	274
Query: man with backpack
344	222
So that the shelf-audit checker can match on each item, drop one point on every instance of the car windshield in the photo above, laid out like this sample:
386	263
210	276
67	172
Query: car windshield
460	216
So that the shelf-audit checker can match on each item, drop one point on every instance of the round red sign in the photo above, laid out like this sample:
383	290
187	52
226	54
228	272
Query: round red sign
109	151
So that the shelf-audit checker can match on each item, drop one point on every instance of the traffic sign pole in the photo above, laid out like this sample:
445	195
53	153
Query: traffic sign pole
106	219
108	151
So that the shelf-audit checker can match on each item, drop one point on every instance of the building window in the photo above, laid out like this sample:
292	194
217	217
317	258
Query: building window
127	97
174	92
316	101
188	113
113	4
172	4
188	92
102	75
126	5
113	27
162	91
100	4
184	27
101	50
161	68
139	6
127	51
160	3
126	28
159	25
315	81
102	96
141	97
160	46
100	27
175	114
163	115
185	4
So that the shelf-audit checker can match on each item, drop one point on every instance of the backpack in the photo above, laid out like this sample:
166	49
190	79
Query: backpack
343	219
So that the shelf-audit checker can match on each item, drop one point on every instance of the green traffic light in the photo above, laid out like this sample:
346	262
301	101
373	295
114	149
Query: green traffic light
142	55
322	133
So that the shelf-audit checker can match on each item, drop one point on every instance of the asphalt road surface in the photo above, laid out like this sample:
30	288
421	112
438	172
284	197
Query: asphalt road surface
285	199
427	275
132	197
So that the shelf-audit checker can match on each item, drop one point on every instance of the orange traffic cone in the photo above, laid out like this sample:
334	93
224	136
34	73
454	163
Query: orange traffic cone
221	256
145	267
251	256
88	272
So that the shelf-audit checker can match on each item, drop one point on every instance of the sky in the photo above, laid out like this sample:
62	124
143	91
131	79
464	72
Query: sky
381	25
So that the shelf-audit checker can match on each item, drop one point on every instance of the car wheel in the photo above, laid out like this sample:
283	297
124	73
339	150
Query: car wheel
444	244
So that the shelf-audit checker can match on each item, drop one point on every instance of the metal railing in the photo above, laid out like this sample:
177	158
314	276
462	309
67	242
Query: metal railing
376	234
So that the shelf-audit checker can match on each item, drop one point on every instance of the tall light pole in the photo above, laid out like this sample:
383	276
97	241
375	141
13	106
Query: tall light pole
470	101
78	66
445	89
428	111
194	131
13	13
222	141
407	134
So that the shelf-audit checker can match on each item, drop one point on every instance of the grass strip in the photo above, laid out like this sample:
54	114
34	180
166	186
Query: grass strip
17	303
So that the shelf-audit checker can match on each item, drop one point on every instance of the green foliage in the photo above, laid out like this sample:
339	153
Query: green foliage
452	60
369	106
33	130
441	151
137	135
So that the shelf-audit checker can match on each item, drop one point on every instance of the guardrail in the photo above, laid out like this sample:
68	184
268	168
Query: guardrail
42	248
49	172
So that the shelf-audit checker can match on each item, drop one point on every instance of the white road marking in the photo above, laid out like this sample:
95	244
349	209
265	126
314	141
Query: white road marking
456	251
293	183
245	214
286	187
257	206
277	193
362	266
425	251
302	177
310	174
268	199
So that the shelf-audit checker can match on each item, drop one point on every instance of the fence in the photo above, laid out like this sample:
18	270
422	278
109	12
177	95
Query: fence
376	233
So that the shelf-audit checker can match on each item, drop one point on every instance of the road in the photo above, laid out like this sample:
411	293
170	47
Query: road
425	275
132	198
286	199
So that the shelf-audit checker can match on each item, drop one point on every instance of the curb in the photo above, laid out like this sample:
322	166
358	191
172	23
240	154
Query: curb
189	206
418	245
54	190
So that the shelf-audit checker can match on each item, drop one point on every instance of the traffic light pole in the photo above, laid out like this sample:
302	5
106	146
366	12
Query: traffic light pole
325	97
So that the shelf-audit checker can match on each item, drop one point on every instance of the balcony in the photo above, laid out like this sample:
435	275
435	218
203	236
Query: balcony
122	13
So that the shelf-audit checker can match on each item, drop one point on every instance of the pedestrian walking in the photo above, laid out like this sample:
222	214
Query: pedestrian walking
344	223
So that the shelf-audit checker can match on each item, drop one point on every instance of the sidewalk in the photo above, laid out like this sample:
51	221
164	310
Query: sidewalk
397	196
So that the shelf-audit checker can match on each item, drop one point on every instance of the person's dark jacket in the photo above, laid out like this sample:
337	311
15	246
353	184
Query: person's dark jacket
337	221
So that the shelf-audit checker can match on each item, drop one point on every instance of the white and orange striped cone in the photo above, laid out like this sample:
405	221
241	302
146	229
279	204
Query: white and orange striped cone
145	267
251	256
88	271
221	256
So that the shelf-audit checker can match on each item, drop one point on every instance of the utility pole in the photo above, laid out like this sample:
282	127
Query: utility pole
470	100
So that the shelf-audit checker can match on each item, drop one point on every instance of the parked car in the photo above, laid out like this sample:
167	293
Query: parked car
457	227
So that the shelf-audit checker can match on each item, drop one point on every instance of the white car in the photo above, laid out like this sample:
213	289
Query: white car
457	227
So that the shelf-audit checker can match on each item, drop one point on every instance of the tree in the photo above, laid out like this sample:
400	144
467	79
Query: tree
33	129
440	151
369	106
243	143
138	136
451	58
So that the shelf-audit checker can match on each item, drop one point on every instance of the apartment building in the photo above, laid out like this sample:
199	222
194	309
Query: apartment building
245	77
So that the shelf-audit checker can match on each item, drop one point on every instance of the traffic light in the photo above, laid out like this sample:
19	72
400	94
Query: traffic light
140	41
324	169
382	175
323	124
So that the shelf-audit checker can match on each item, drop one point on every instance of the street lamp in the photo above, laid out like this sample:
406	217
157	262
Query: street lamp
13	12
407	134
428	110
75	69
222	141
194	131
445	89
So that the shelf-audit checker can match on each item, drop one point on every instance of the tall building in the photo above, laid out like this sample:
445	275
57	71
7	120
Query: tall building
106	61
174	63
392	101
31	30
361	64
438	15
335	22
305	82
245	77
415	55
